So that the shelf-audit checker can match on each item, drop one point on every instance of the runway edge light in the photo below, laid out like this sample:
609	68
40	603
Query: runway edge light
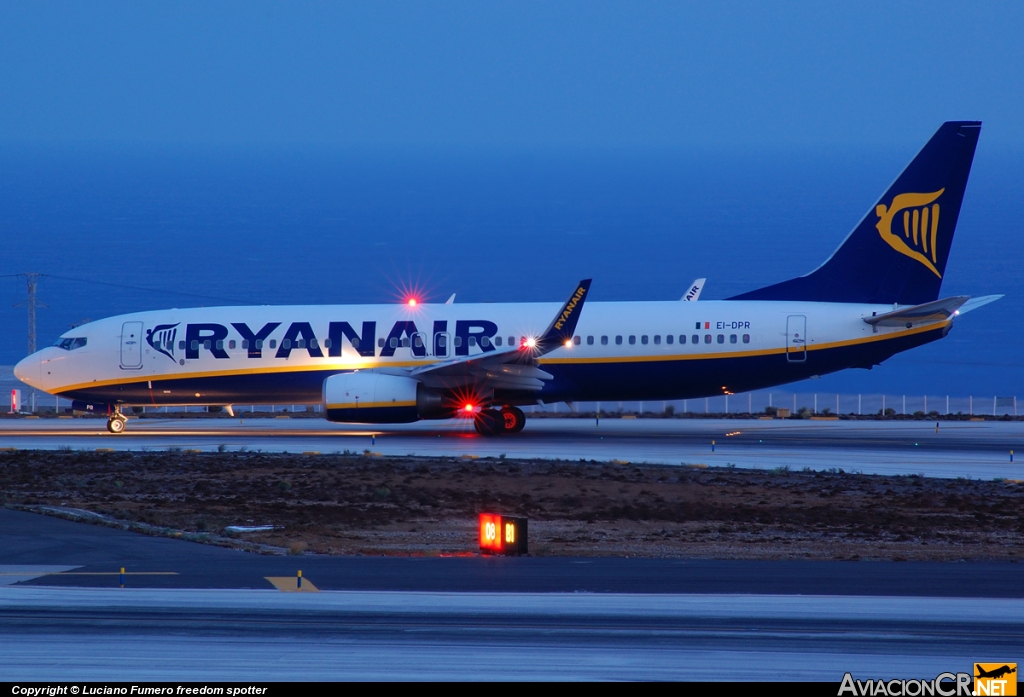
503	534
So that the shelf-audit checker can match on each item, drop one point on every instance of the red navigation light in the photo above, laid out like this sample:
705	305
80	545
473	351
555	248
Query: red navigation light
529	342
468	408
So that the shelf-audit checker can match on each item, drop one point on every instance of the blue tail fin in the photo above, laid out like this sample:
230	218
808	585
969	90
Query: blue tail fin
898	252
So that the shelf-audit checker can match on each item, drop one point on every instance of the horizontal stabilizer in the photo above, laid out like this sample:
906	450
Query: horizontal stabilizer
937	311
975	303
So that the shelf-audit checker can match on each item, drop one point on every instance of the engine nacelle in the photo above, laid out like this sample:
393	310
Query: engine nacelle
375	398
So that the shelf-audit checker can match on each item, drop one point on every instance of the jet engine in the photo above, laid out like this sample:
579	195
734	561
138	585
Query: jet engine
377	398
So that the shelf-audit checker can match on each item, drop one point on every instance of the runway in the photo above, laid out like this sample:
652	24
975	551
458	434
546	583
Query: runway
196	612
979	450
266	635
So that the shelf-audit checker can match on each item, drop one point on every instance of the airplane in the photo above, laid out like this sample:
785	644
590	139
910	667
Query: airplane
875	296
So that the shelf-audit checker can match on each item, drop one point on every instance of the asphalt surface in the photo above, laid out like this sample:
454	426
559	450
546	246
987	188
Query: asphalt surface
980	450
29	541
197	612
62	634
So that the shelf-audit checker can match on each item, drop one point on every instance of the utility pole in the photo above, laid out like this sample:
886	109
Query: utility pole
32	279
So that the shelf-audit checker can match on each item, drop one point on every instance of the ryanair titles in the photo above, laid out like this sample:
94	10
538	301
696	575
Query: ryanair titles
270	340
570	307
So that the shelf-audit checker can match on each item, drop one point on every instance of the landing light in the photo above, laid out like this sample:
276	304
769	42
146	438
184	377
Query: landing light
530	342
568	343
411	302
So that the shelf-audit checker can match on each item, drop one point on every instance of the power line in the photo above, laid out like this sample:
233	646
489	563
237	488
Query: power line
147	290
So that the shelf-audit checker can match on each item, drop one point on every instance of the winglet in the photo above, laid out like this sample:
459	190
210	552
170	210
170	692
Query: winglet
563	326
694	293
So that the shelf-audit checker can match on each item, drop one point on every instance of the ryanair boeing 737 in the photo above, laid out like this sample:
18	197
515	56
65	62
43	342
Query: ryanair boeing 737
877	295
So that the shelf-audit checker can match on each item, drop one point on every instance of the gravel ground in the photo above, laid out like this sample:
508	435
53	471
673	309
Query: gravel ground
366	504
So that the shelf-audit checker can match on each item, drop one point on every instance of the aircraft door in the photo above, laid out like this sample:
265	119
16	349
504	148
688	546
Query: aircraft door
796	338
131	345
441	344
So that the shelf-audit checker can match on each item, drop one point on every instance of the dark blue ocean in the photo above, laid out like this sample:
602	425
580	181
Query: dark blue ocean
184	227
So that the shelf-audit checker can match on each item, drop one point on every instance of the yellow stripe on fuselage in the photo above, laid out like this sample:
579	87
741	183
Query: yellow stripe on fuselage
543	361
371	405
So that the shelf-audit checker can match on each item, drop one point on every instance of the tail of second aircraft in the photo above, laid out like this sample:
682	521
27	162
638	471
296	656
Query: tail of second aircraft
898	252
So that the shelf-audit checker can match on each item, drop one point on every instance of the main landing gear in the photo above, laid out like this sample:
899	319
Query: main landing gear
117	422
491	422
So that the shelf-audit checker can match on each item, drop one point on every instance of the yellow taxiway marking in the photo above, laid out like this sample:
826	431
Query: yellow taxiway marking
290	584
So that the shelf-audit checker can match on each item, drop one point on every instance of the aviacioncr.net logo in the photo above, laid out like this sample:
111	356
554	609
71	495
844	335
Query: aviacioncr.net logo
920	223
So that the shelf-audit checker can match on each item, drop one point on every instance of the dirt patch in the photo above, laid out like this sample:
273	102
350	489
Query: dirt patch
357	504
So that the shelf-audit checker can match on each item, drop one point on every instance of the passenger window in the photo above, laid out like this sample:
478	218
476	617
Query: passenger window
618	340
259	344
442	341
245	343
472	341
355	343
231	344
643	339
286	344
721	338
485	342
195	345
418	343
206	344
682	338
406	343
458	341
380	343
497	341
707	338
732	338
632	339
273	343
576	340
301	343
181	345
695	339
327	343
604	341
590	341
657	338
511	341
746	338
668	338
220	344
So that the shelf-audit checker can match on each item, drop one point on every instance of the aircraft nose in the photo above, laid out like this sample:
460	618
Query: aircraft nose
27	370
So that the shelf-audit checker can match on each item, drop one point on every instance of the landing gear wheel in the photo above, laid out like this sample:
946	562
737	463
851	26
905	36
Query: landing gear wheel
116	424
488	423
513	420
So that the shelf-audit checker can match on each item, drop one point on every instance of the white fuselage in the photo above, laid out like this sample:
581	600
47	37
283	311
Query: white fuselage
625	350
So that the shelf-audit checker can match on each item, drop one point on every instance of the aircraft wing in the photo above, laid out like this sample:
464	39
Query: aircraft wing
514	368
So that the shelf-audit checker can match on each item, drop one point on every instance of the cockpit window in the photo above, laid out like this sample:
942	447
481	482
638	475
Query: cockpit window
72	343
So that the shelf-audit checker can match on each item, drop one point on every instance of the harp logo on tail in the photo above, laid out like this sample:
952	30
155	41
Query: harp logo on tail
920	227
